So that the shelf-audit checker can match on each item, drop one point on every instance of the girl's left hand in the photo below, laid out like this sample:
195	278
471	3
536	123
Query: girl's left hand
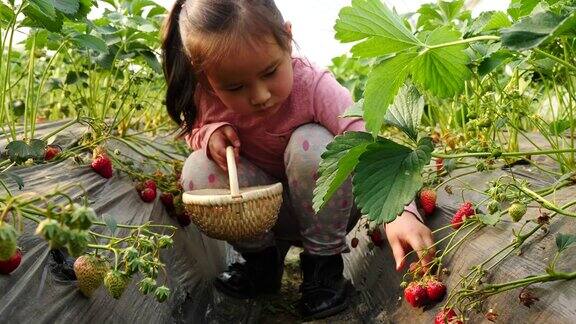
407	233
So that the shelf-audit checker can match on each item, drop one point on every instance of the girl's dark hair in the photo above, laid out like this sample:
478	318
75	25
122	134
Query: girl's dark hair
199	33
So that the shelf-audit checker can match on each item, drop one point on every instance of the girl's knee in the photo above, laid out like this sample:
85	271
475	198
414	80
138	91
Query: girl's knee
199	172
306	146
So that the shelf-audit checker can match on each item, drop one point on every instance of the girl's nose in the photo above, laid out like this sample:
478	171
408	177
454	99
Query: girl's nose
260	95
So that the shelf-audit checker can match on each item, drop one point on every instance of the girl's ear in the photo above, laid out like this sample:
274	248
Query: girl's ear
288	28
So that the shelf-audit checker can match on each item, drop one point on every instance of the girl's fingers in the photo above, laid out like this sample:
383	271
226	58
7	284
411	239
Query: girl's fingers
231	136
398	252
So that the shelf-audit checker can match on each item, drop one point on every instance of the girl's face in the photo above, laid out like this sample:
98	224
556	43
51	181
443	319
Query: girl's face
255	81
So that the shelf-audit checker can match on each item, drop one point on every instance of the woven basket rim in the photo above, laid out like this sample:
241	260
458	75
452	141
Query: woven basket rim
222	196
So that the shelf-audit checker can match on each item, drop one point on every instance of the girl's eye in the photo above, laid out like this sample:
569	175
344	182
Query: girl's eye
236	88
270	73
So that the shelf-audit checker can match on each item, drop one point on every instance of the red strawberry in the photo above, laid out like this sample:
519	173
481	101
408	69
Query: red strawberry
167	199
445	316
435	290
354	242
416	294
11	264
150	184
465	210
50	152
428	200
102	165
148	195
457	220
376	237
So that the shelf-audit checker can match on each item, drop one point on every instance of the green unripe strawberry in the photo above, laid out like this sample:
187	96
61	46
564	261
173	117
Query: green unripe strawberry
8	241
90	271
116	282
53	232
493	207
147	285
77	242
161	293
517	211
82	217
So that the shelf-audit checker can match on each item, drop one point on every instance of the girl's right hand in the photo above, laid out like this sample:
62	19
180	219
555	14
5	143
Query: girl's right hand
221	138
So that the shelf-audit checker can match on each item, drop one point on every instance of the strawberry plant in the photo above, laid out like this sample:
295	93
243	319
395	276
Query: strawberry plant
447	96
110	259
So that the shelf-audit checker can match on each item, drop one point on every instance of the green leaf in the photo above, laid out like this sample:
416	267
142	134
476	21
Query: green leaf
493	62
338	161
18	151
563	241
152	61
451	9
16	178
37	148
91	42
488	21
430	18
67	6
442	70
406	111
559	126
137	5
382	86
41	13
45	6
356	110
6	15
532	31
520	8
490	219
366	18
111	222
388	176
379	46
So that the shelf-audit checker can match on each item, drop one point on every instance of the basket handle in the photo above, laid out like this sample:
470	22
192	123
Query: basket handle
232	172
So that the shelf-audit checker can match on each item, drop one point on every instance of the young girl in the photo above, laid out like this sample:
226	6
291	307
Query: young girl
232	80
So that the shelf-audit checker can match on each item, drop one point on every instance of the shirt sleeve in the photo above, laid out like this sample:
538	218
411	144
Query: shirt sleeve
198	138
330	101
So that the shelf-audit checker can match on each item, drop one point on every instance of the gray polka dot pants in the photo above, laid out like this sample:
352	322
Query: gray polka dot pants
322	233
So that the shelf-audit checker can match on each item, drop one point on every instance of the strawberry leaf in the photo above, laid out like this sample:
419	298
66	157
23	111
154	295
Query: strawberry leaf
67	6
406	111
534	30
489	219
18	151
442	70
368	18
520	8
563	241
16	178
337	163
111	222
90	42
379	46
382	86
388	176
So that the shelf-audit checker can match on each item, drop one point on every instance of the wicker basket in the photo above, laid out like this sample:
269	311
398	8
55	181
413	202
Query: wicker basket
235	214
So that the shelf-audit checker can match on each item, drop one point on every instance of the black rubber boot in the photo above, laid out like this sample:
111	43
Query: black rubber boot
261	273
324	288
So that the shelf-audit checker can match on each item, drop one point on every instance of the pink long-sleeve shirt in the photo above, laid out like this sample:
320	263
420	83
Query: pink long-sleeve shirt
316	97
